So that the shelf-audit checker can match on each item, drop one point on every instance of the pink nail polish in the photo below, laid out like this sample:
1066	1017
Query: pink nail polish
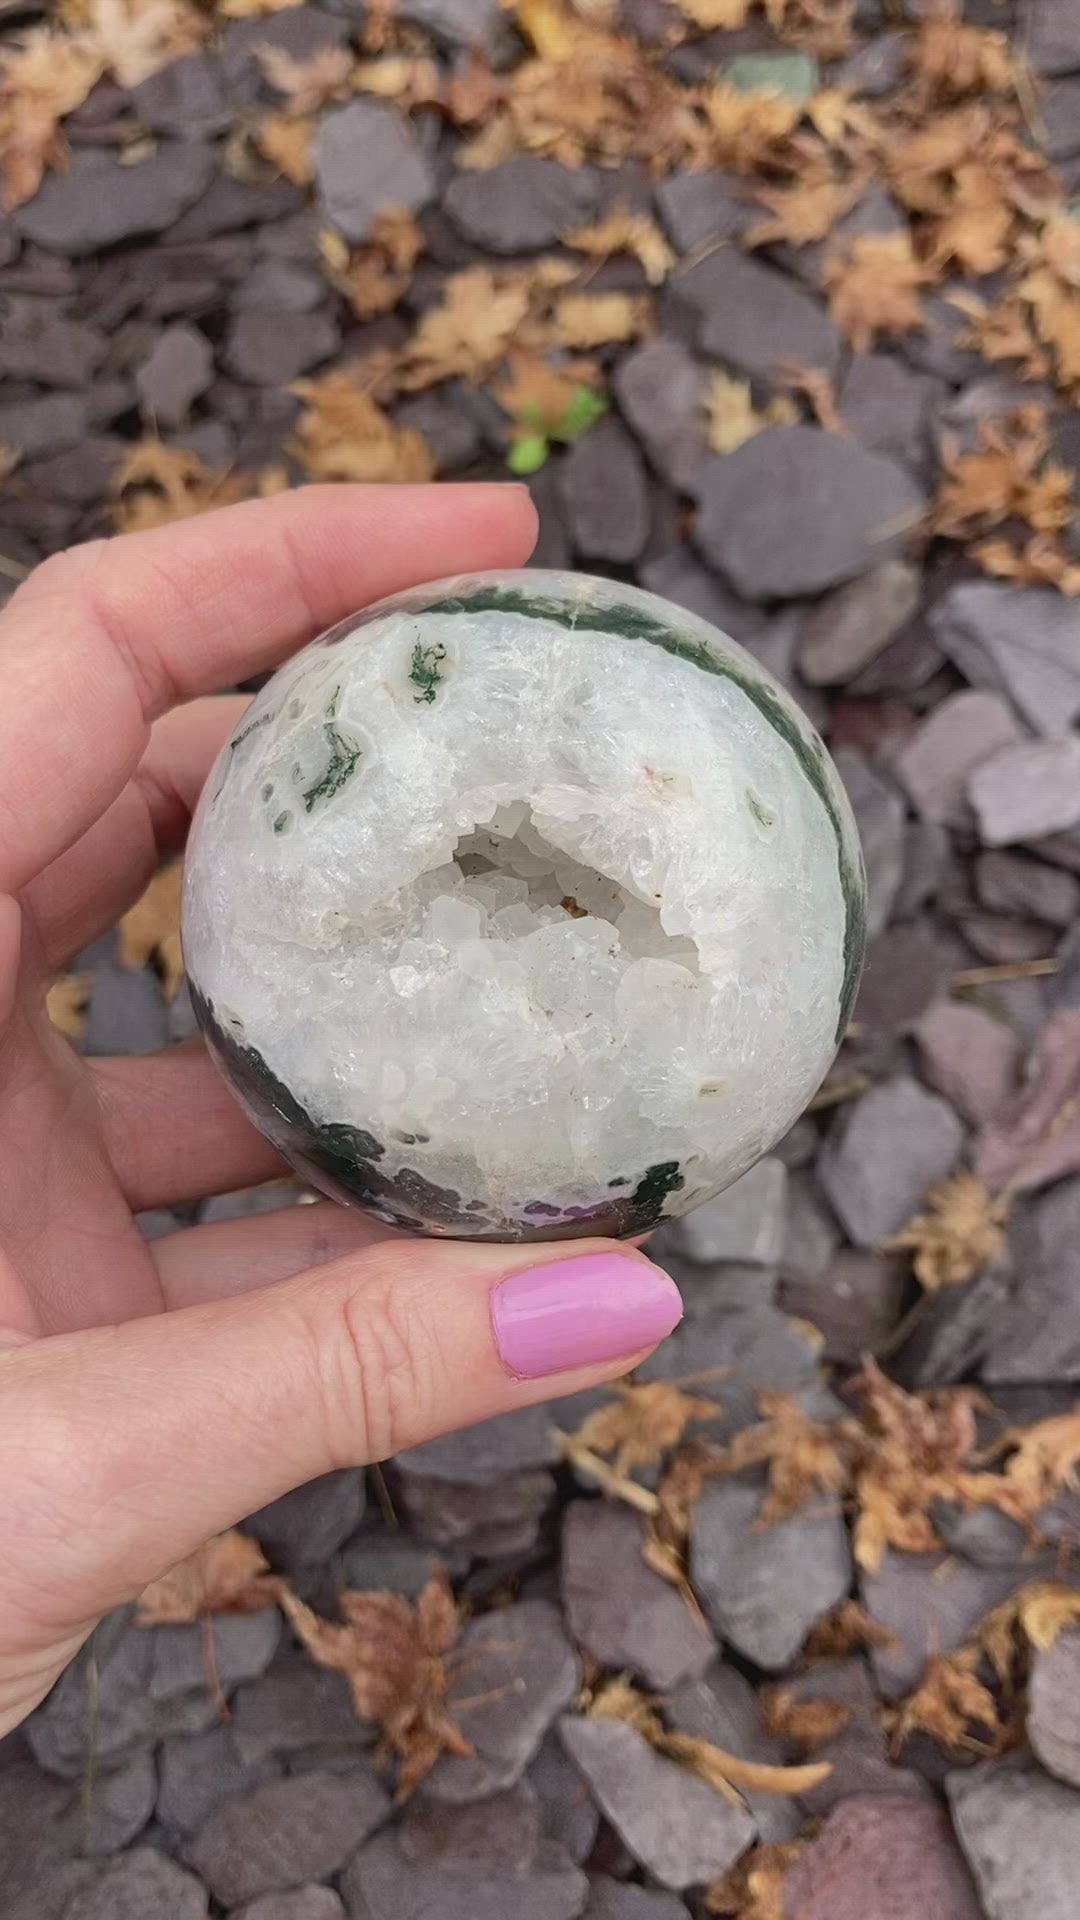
576	1313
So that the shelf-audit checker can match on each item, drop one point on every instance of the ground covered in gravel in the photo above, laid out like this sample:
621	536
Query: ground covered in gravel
778	309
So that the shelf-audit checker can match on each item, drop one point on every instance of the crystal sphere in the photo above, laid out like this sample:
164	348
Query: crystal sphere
523	905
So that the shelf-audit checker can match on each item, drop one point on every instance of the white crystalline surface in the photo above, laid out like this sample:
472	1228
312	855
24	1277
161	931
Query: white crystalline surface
537	905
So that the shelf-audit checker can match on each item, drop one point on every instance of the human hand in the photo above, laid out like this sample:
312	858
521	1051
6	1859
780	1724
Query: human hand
153	1394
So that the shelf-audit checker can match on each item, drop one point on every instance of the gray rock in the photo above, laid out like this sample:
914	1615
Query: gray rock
661	391
139	1884
269	347
305	1527
295	1705
905	972
857	1752
1020	641
942	346
982	1534
366	160
1007	883
750	316
244	1645
881	1155
955	1329
795	510
133	1704
763	1587
679	576
969	1057
291	286
1059	116
1051	36
880	1855
877	66
1020	1831
722	1707
300	31
931	1603
850	626
1053	1715
567	1814
127	1012
454	438
286	1832
521	205
605	494
926	855
303	1903
96	201
935	764
675	1825
1037	1337
617	1608
390	1558
229	204
511	1443
699	208
889	407
745	1224
180	368
381	1884
118	1804
39	343
186	97
854	1304
45	425
811	1234
1027	790
879	816
196	1771
622	1900
497	1835
459	23
522	1671
53	1890
492	1520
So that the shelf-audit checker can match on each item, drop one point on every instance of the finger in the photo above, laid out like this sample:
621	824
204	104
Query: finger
173	1131
225	1257
162	1431
88	888
102	639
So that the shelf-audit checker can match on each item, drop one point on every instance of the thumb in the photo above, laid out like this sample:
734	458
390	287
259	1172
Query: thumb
147	1437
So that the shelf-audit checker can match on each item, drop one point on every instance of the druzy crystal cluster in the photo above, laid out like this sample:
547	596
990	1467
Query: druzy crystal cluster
523	905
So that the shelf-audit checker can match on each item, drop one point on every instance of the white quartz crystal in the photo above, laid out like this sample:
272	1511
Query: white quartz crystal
524	904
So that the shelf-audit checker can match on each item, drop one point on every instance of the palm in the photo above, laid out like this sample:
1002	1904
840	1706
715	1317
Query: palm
148	624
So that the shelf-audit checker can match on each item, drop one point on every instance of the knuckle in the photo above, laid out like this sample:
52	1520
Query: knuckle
381	1370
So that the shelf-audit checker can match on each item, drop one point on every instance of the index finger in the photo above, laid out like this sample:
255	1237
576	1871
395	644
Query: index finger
103	638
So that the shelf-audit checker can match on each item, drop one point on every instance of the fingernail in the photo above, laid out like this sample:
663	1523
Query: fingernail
577	1313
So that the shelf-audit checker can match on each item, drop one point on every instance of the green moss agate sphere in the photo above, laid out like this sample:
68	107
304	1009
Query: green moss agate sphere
523	905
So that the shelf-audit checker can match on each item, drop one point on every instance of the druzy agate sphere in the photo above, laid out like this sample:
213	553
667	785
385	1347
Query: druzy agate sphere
523	905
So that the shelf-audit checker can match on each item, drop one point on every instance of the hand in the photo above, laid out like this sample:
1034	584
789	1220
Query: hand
153	1394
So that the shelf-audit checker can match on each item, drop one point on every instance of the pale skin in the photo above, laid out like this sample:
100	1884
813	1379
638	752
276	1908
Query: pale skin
154	1394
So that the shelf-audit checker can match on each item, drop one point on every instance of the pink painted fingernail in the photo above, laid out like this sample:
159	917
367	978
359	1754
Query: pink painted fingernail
576	1313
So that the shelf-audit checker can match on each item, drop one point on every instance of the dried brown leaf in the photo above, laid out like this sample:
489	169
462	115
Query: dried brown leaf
410	79
307	84
846	1628
621	231
951	59
1008	476
285	140
155	484
733	417
374	277
395	1654
803	210
750	130
727	1772
66	1003
959	1233
150	930
229	1574
135	38
806	1458
43	76
343	433
643	1423
246	9
810	1723
1039	562
753	1889
710	14
874	283
470	332
950	1703
588	320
